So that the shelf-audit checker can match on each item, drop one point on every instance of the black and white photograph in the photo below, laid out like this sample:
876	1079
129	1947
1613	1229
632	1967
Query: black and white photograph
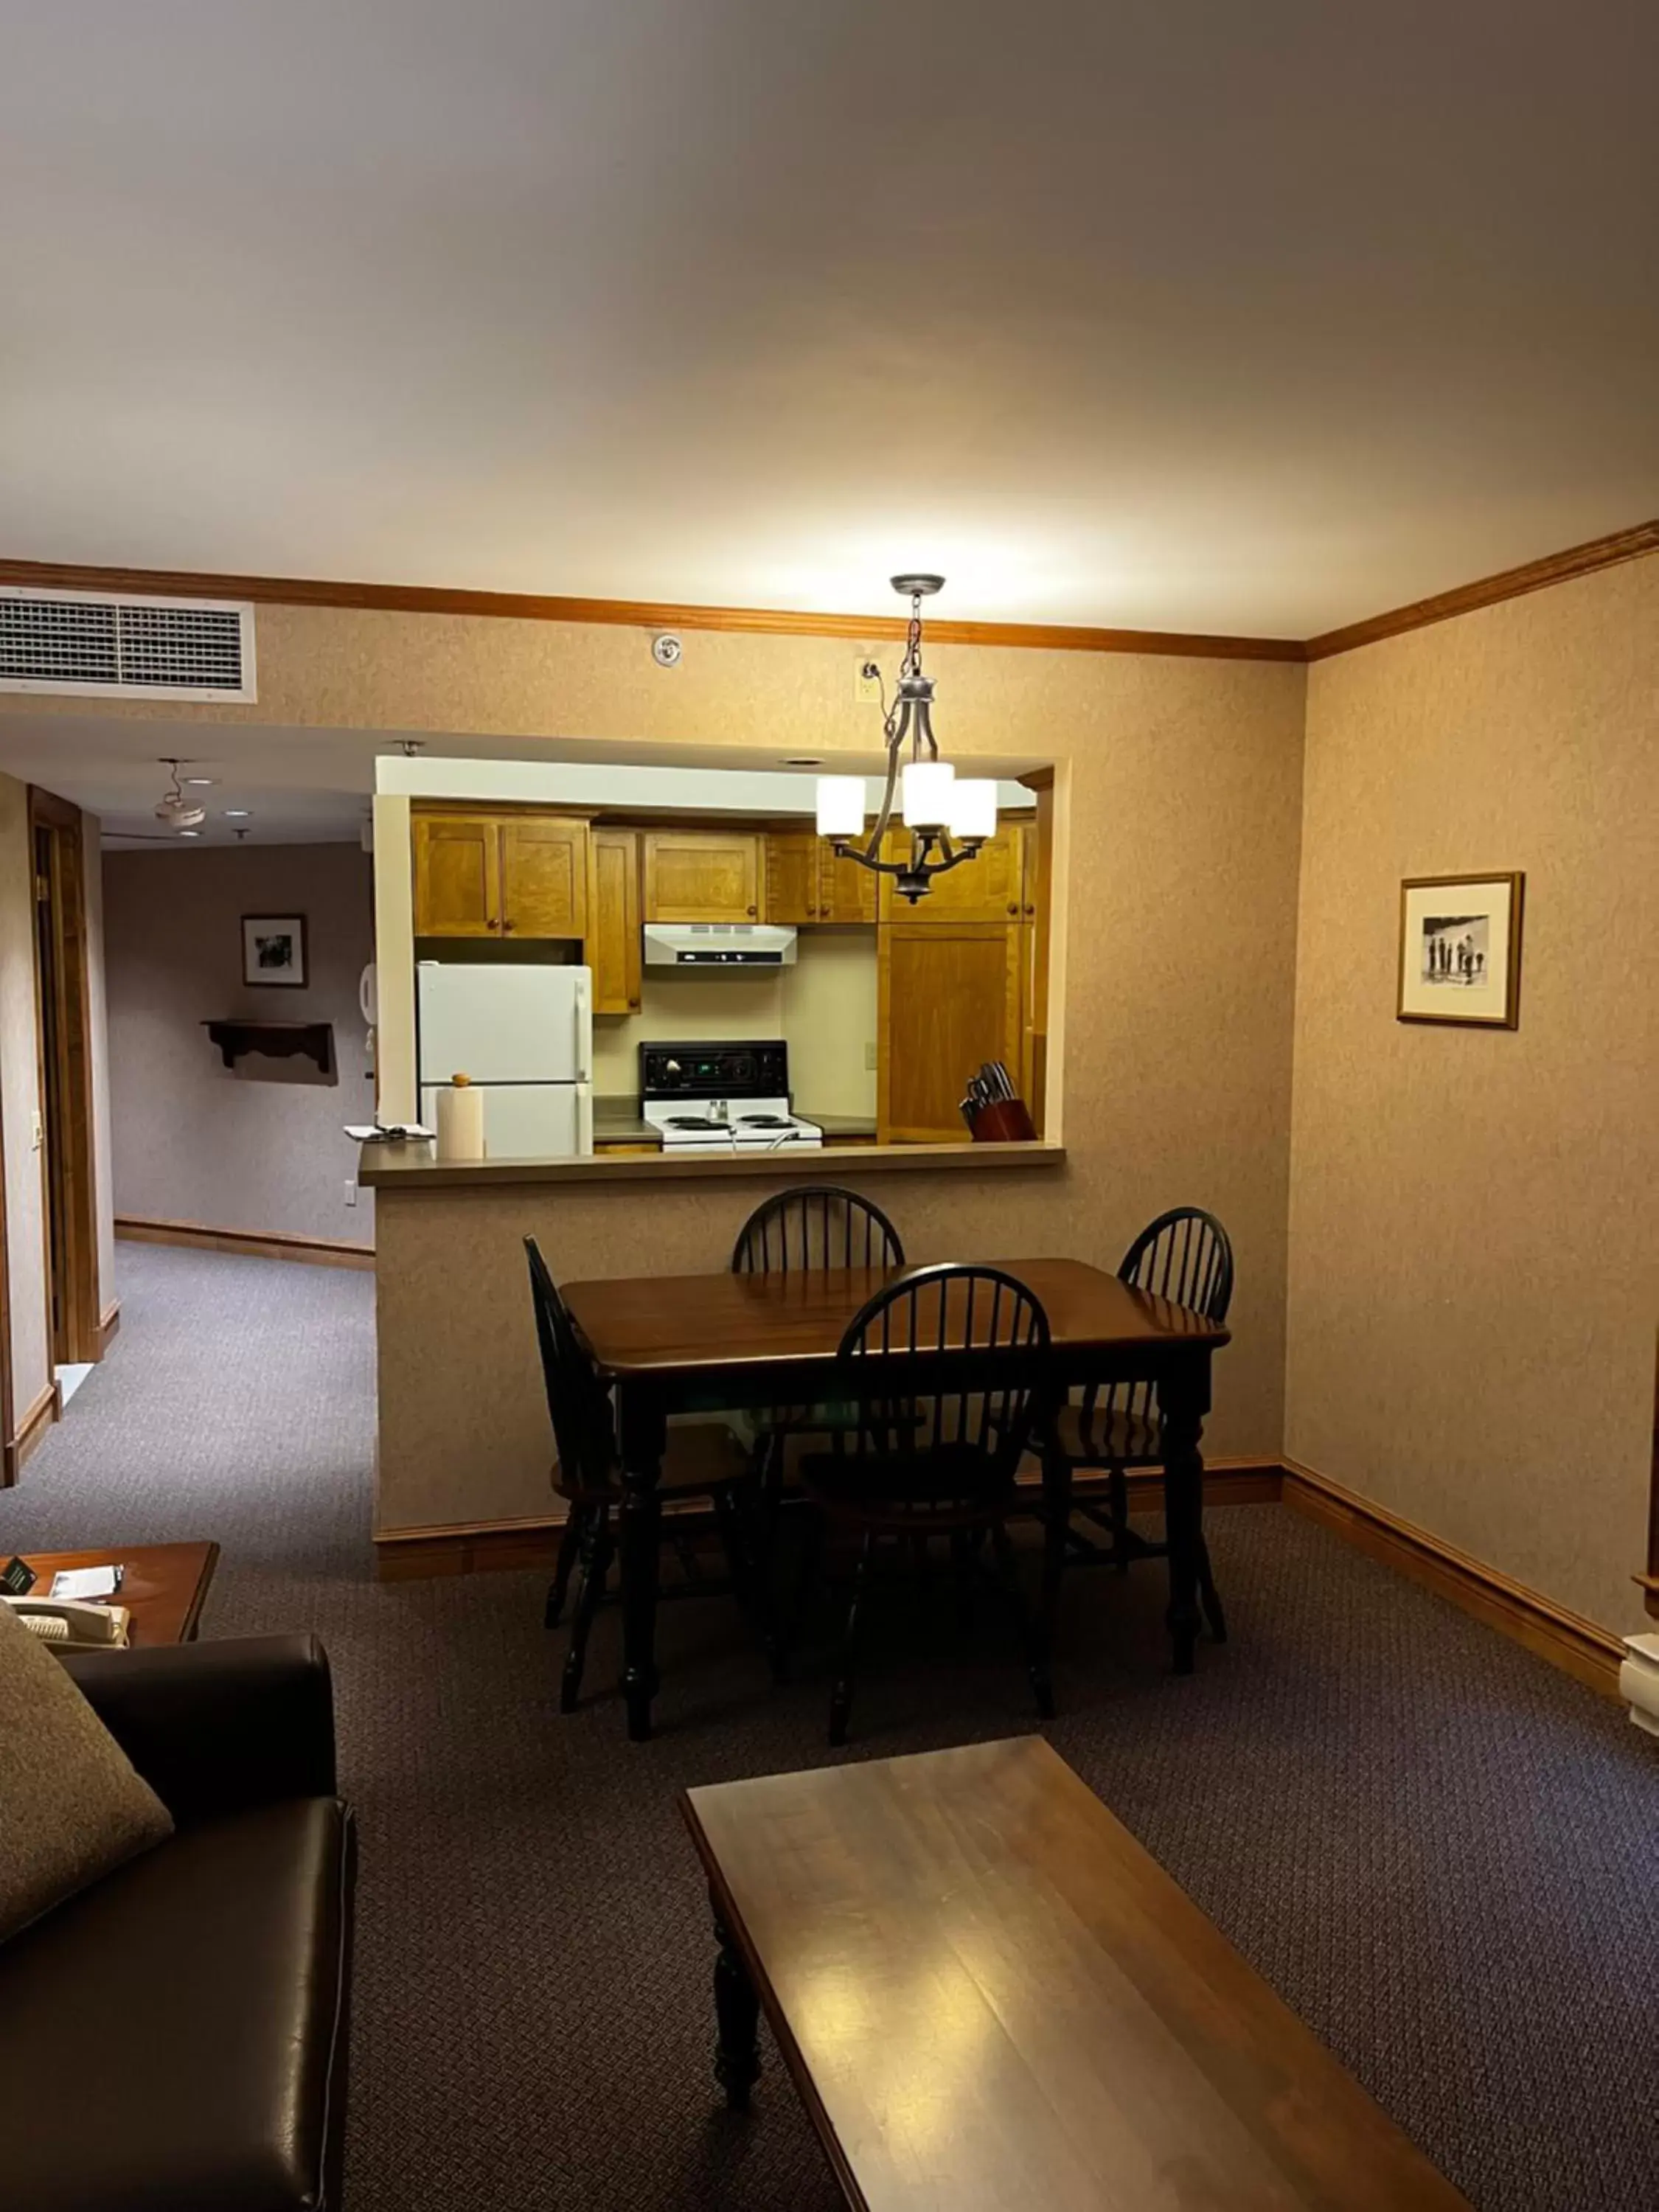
274	949
1460	949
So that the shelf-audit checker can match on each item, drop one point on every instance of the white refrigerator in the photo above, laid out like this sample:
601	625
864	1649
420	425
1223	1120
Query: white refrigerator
526	1037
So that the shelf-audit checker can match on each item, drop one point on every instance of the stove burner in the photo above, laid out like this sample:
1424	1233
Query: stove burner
694	1121
765	1121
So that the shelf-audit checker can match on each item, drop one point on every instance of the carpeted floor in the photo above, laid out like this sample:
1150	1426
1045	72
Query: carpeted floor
1442	1853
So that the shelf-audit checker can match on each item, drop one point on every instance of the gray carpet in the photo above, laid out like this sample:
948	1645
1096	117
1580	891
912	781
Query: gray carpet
1441	1852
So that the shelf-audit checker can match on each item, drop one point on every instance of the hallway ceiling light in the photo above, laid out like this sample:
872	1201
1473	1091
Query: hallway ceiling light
203	779
174	808
948	820
237	813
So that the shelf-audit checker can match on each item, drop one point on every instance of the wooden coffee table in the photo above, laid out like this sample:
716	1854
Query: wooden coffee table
990	1997
163	1590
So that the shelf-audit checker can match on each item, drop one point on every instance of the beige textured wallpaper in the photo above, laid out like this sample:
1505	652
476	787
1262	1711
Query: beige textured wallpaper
263	1147
1474	1224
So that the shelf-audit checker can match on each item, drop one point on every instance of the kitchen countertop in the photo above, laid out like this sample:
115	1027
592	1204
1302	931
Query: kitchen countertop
617	1121
410	1167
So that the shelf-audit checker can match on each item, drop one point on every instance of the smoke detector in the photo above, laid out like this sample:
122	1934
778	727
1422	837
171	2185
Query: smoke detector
665	650
174	808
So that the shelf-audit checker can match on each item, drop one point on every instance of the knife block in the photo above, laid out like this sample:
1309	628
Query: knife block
1006	1121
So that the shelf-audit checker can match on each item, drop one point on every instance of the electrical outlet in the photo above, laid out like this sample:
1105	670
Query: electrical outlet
870	1058
351	1191
867	683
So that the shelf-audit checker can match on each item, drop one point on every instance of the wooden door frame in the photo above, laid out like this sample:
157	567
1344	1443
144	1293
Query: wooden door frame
80	1336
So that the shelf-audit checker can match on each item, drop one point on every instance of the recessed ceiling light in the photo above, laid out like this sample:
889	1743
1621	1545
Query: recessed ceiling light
237	813
203	779
803	760
190	833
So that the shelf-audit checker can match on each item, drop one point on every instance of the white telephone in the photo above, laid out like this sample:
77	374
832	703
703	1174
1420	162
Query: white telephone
71	1624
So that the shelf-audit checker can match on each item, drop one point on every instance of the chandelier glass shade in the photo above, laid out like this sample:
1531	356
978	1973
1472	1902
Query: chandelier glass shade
949	818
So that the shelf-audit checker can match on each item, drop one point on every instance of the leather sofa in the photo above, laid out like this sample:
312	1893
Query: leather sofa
173	2038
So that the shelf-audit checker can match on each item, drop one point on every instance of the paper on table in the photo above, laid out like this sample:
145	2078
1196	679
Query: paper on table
85	1581
370	1132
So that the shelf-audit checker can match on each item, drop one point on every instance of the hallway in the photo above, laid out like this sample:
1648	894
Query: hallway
1438	1850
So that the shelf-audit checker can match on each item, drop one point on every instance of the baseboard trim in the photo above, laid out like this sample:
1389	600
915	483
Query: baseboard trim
109	1326
38	1418
480	1546
1590	1654
316	1251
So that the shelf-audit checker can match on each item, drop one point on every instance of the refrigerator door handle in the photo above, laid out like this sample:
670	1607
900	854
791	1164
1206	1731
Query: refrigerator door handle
583	1117
582	1023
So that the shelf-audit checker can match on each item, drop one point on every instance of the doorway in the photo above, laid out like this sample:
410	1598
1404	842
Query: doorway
63	1027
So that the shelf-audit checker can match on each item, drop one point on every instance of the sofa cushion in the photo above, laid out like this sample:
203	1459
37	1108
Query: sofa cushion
177	2035
72	1807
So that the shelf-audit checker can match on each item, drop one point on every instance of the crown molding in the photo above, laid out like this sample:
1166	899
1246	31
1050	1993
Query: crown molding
1488	590
776	621
633	614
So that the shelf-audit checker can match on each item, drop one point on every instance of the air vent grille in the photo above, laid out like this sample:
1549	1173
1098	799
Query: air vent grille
96	642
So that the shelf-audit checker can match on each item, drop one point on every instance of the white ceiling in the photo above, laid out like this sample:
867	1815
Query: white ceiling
1195	315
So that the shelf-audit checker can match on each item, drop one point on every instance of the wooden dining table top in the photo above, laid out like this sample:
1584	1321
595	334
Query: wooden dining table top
657	1326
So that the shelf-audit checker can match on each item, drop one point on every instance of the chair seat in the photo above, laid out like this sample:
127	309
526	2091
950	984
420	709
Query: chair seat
186	2024
701	1457
942	1488
1115	1438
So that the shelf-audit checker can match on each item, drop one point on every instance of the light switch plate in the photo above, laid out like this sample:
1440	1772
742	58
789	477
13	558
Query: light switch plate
870	1058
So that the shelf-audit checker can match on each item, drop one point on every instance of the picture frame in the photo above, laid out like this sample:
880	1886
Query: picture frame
274	951
1460	949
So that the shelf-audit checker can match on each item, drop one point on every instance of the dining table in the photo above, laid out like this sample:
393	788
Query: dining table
673	1344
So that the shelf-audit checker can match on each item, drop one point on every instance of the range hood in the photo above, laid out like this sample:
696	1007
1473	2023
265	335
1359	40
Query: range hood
712	945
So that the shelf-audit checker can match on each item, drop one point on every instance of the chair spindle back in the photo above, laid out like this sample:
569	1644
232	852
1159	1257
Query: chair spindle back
1186	1256
578	1403
815	1228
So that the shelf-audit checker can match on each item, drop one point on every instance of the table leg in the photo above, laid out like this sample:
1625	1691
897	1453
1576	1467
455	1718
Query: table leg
1185	1399
737	2013
643	1441
1056	1520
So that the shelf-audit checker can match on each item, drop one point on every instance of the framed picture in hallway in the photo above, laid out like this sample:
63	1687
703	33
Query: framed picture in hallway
274	949
1460	949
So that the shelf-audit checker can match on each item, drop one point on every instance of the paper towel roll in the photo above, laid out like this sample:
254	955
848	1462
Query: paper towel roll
461	1120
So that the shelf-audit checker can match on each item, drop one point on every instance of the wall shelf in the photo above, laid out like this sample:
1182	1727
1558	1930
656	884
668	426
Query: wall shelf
235	1035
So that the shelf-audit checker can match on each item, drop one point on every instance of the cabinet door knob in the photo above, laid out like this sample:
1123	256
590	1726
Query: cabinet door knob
507	925
751	910
1013	907
491	923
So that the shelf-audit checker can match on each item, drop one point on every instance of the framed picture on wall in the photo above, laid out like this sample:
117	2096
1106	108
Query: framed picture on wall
1460	949
274	949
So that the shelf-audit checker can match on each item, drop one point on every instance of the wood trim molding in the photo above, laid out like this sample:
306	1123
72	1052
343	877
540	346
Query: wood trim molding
1508	584
320	1251
1590	1654
1650	1581
481	1546
1584	560
109	1326
635	614
69	1169
36	1419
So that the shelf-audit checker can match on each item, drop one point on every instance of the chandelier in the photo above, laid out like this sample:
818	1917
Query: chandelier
949	818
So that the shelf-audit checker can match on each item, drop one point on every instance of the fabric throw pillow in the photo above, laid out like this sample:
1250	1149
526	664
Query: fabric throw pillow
71	1806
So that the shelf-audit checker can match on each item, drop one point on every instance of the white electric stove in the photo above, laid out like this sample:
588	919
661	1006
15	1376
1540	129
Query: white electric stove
724	1097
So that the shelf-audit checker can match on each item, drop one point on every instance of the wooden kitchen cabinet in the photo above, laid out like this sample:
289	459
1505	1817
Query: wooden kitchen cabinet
519	875
791	875
702	875
807	882
950	995
543	876
846	892
613	931
991	887
458	875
